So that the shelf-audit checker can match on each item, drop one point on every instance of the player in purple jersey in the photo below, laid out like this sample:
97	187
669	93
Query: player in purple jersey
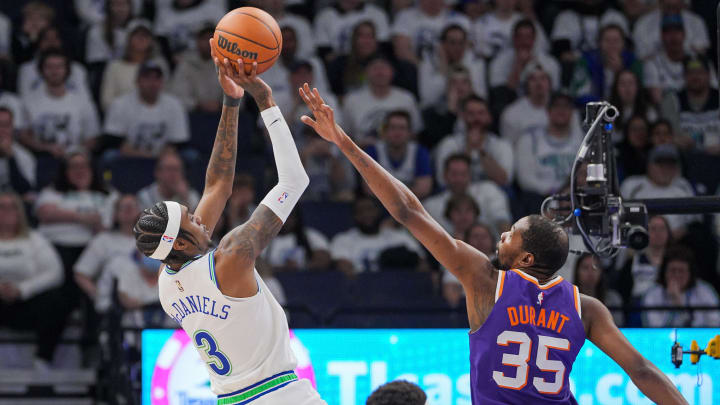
527	325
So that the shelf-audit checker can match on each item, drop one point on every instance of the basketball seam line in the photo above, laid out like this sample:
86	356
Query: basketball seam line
277	43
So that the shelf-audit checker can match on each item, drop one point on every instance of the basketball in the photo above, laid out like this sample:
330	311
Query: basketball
250	34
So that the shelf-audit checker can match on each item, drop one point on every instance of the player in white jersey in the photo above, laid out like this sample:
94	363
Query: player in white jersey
216	295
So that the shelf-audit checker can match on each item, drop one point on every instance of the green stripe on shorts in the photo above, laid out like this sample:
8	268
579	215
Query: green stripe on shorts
257	390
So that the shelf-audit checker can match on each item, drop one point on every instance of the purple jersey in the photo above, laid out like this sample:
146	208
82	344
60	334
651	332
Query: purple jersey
524	352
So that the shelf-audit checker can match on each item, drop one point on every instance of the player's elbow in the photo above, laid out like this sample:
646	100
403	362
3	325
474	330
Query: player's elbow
642	370
303	180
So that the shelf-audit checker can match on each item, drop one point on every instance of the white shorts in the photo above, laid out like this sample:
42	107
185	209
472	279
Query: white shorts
299	392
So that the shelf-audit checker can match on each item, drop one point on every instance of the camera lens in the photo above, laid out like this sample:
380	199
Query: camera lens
637	237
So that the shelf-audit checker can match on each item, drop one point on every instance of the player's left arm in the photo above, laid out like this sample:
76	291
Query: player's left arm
221	168
601	330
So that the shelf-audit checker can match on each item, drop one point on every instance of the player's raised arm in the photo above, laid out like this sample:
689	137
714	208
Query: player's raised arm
467	263
237	251
601	330
221	168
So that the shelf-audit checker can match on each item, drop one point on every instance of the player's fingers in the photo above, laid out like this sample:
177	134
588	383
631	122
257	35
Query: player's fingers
308	121
237	69
304	96
308	95
227	67
253	71
319	97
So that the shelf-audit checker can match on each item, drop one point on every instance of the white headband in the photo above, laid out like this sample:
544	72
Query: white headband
171	231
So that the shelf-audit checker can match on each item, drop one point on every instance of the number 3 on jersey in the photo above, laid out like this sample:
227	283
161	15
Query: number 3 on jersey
219	362
520	360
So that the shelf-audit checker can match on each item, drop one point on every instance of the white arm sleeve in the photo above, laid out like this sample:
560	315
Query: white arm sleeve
292	179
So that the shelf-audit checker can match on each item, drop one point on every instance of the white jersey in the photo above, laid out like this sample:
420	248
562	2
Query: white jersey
242	340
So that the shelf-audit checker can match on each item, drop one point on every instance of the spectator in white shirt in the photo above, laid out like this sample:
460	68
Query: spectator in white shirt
117	241
30	272
334	25
581	26
507	67
106	37
492	33
359	249
137	277
492	200
170	183
452	52
176	21
147	119
679	286
492	157
194	82
74	209
121	74
693	111
298	247
529	111
364	109
416	29
17	165
544	156
404	158
60	117
663	70
663	180
30	78
646	33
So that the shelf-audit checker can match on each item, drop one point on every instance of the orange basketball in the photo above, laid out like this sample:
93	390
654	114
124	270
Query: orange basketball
250	34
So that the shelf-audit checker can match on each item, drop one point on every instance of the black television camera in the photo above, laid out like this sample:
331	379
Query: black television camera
605	221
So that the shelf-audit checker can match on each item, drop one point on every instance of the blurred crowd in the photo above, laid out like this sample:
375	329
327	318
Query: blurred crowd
108	106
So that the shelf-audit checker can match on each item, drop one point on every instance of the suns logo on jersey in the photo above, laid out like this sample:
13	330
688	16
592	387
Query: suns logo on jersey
179	286
540	297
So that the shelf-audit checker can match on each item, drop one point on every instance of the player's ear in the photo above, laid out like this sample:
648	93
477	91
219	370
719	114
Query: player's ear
526	260
181	243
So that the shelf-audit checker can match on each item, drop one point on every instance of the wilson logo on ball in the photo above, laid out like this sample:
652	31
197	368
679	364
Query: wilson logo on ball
234	49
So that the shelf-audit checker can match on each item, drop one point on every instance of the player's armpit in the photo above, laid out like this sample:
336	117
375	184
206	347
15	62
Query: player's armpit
601	330
236	254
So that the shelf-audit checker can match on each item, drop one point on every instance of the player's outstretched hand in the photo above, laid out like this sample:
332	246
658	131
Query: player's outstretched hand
235	81
224	70
324	122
